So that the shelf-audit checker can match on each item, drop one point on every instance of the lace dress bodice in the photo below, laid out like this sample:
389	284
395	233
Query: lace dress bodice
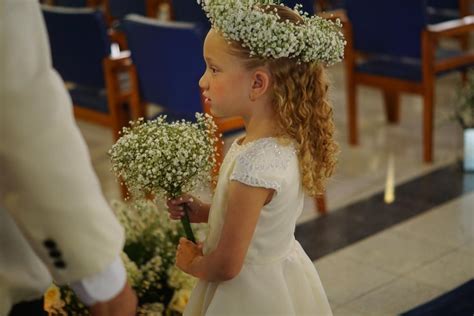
261	163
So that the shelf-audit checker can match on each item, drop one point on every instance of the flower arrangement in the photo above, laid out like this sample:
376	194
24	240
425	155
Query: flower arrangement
149	253
160	158
464	111
259	28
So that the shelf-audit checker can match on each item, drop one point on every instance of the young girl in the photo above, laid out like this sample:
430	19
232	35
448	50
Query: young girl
250	263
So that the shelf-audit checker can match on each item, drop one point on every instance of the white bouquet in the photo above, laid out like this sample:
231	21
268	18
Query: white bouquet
156	157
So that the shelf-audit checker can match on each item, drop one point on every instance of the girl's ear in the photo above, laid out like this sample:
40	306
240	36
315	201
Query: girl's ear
260	84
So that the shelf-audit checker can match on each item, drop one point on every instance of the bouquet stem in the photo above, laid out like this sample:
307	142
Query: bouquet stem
187	224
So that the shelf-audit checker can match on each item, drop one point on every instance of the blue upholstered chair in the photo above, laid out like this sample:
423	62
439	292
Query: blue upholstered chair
391	46
118	9
189	11
168	60
79	48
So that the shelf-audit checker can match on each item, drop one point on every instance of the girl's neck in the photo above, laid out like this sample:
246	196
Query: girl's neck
259	126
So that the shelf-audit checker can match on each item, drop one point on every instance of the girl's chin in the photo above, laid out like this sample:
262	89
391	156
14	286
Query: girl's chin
215	113
220	114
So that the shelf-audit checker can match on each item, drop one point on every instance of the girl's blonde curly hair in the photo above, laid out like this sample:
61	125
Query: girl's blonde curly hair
303	111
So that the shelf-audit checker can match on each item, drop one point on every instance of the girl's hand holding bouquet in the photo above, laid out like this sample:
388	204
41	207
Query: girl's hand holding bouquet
187	253
198	210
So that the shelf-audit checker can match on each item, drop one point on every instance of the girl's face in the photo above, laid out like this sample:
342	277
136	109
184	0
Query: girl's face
225	83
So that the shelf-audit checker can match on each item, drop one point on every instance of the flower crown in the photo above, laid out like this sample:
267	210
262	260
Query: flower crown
266	34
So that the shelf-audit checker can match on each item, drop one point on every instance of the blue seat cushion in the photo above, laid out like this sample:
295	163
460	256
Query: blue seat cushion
89	98
409	69
402	68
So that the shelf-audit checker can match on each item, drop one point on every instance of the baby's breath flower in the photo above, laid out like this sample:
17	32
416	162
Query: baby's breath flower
160	157
251	23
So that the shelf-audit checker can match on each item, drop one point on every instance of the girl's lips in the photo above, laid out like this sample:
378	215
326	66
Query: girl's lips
207	100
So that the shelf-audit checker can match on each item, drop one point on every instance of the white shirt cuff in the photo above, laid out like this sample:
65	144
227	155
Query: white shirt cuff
102	286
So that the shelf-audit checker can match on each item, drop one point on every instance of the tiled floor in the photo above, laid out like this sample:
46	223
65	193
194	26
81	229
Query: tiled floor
406	264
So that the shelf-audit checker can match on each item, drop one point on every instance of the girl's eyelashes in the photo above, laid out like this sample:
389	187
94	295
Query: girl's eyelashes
212	68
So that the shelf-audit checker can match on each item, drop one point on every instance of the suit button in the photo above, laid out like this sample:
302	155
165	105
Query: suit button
49	243
55	253
59	264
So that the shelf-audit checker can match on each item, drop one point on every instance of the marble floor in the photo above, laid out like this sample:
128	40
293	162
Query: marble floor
407	263
404	266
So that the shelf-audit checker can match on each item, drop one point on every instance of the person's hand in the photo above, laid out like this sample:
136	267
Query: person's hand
124	304
176	210
187	253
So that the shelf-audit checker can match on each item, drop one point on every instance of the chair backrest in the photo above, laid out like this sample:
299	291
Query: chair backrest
387	27
79	44
308	5
443	10
169	62
190	11
443	4
120	8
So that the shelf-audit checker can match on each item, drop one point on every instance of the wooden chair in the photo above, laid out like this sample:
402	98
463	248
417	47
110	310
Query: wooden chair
81	52
390	46
116	10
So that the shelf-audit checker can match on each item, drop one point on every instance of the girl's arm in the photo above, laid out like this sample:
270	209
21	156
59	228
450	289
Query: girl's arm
226	261
199	210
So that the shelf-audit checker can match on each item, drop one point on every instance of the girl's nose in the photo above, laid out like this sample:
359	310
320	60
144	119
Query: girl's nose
203	81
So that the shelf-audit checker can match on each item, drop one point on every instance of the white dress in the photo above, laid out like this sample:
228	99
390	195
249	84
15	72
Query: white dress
277	277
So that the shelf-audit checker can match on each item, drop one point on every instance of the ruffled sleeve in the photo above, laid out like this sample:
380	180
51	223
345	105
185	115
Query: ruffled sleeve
263	164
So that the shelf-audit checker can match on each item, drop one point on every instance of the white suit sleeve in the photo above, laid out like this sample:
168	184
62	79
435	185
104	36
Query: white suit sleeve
47	181
103	286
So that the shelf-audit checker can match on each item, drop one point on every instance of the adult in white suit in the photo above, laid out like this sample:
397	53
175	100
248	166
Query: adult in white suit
54	221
